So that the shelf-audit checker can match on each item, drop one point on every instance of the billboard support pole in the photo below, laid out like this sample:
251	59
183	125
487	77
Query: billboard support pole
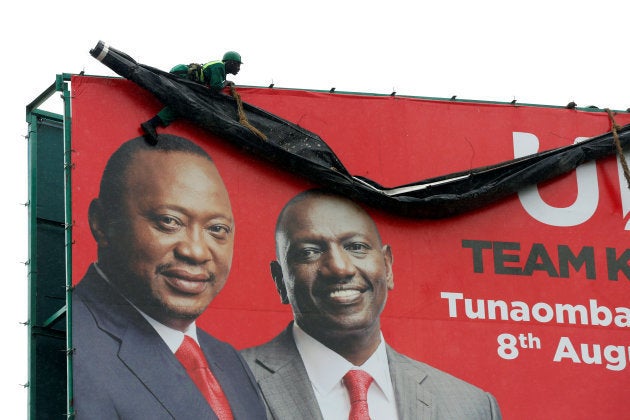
32	259
67	134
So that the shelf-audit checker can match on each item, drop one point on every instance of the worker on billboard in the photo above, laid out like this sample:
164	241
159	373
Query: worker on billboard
165	232
332	361
212	74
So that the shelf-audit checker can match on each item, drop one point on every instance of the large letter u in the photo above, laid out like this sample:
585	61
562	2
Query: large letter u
587	189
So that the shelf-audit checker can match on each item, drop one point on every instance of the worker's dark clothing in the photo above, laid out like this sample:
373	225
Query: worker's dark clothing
211	74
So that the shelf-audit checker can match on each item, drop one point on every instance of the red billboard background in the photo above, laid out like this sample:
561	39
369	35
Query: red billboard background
562	243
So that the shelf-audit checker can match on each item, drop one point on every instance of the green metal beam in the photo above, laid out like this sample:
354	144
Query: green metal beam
55	317
31	119
67	120
37	102
40	350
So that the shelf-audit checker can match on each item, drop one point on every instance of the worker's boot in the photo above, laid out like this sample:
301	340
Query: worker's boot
150	130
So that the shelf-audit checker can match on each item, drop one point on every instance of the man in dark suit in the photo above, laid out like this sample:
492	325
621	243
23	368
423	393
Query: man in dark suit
335	273
165	231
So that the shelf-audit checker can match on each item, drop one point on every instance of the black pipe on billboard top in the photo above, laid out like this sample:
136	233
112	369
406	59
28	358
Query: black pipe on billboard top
304	153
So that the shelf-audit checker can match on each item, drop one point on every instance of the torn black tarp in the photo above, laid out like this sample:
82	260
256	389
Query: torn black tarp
302	152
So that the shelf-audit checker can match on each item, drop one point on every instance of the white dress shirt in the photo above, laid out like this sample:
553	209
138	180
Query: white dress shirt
172	337
326	369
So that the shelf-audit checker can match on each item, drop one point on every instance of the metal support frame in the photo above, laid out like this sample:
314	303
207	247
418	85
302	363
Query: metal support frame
50	341
67	152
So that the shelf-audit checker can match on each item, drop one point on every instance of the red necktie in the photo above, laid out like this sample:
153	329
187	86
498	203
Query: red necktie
191	356
358	382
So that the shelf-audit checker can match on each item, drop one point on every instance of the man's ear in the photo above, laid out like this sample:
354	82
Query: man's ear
276	274
389	262
98	225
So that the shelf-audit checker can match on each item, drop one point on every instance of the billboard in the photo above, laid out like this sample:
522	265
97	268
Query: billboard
525	298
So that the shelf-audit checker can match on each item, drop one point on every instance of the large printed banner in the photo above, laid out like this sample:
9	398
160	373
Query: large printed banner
528	298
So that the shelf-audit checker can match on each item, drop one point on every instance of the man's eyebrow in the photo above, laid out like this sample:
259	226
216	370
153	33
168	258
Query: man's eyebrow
303	241
186	211
352	235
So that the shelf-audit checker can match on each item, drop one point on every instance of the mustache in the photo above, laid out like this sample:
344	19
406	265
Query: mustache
186	271
332	283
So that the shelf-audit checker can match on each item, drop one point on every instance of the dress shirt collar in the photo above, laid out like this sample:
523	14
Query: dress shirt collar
172	337
326	368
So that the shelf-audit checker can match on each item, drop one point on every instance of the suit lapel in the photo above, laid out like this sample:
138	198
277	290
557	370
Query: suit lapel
412	400
286	388
145	354
153	363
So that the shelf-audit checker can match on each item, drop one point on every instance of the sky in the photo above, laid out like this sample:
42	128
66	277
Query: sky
538	52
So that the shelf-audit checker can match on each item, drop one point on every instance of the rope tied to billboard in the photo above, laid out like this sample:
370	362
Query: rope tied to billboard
622	157
242	118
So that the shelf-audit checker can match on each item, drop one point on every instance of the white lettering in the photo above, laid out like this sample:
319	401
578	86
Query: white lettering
587	198
519	312
507	347
596	311
542	307
561	313
616	357
623	317
452	302
565	350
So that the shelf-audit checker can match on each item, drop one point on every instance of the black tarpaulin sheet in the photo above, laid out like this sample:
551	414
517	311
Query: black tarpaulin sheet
304	153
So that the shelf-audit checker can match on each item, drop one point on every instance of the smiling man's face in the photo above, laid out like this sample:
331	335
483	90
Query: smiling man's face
169	247
334	268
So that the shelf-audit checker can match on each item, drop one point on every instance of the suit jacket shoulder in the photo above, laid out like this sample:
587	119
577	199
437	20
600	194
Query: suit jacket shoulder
423	391
282	378
123	369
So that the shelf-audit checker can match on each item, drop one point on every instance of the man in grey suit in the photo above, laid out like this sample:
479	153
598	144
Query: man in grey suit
334	271
165	233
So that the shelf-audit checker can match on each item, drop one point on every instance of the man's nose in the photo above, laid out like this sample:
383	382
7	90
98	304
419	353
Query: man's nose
194	246
338	263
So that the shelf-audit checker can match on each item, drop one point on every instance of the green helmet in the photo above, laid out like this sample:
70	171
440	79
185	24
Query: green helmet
232	55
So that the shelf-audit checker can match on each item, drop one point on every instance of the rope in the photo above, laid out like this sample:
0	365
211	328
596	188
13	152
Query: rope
622	158
242	118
